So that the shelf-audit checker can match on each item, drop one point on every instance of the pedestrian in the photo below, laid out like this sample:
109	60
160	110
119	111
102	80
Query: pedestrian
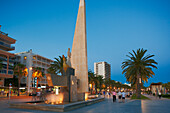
38	95
120	96
107	93
104	94
123	96
114	95
160	95
128	94
34	95
156	94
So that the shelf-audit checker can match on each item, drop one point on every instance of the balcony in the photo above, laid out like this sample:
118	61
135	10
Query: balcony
6	47
3	58
10	72
3	71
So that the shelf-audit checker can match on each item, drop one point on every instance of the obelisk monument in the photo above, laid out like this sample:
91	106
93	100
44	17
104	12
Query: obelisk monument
79	49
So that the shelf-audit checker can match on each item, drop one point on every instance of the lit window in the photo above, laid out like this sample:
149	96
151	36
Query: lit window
34	57
25	57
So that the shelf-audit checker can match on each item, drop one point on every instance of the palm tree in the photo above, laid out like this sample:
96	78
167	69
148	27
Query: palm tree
96	82
37	73
56	66
91	80
138	68
100	81
113	83
20	70
108	83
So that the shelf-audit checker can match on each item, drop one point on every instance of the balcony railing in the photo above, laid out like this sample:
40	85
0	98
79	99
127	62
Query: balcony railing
7	45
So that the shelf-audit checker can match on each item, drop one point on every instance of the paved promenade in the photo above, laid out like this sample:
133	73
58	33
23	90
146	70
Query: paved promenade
107	106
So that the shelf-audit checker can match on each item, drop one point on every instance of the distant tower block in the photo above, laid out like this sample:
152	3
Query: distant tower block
79	49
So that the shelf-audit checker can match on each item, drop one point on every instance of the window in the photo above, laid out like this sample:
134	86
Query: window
34	57
25	57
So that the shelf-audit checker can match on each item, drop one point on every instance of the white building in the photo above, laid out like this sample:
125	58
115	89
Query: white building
102	68
127	84
33	60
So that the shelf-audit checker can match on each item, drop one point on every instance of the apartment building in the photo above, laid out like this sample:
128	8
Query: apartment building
6	70
102	68
31	60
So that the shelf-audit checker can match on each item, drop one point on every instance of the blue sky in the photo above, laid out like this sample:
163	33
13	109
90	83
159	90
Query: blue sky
114	28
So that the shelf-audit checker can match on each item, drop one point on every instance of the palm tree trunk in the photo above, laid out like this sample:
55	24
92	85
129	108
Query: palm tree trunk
138	90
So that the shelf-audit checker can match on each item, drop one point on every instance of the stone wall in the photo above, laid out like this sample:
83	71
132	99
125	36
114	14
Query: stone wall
73	88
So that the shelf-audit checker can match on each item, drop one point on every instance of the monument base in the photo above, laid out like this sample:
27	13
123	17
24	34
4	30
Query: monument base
56	108
81	96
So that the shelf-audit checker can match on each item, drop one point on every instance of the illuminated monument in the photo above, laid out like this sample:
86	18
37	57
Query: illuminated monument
79	50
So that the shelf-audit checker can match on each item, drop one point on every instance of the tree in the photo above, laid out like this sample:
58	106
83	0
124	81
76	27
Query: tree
20	70
138	68
91	80
100	81
113	83
108	83
37	73
56	66
166	85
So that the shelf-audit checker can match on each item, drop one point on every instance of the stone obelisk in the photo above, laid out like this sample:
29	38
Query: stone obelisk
79	49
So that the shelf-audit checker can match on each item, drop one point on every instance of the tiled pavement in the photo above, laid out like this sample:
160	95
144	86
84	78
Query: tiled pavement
107	106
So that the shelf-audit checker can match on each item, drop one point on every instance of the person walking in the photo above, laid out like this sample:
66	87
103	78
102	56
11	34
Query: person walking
159	94
123	96
114	96
104	94
38	95
34	95
120	96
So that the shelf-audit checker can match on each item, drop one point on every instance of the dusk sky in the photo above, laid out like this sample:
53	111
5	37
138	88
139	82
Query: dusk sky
114	28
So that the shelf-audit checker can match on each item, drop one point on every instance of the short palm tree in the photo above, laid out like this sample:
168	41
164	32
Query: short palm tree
20	70
37	73
138	68
56	66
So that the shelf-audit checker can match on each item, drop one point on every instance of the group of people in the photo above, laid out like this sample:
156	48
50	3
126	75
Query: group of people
121	95
38	95
158	94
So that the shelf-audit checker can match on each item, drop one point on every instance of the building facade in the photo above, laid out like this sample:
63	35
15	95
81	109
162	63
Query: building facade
102	68
156	87
31	60
6	62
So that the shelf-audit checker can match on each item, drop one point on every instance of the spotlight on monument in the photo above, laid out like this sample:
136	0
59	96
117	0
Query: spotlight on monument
54	99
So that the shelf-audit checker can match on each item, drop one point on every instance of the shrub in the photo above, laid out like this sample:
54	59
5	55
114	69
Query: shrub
166	95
